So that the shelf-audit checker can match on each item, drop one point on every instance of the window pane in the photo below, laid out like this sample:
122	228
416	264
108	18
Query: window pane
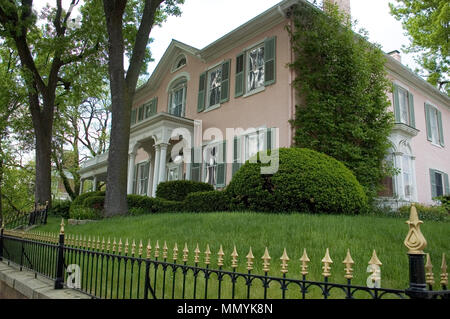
404	106
176	106
255	76
439	184
211	164
407	179
252	145
214	86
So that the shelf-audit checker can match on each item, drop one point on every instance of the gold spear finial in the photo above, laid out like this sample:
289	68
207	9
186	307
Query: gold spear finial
327	264
114	245
429	277
207	255
125	251
415	241
175	252
220	258
284	262
149	250
444	274
305	260
119	249
375	264
197	254
348	262
234	256
157	249
266	260
98	242
165	249
61	229
374	260
108	244
185	253
140	248
250	260
133	247
103	243
89	242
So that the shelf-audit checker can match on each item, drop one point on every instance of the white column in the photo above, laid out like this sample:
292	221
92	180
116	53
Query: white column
94	186
400	189
131	159
81	186
162	163
155	170
187	166
414	181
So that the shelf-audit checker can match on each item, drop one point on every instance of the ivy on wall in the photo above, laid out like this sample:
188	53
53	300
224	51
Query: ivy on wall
341	83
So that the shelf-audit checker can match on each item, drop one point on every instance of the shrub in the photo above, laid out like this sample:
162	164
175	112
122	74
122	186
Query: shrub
78	203
435	213
306	181
60	208
80	212
212	201
445	200
138	205
178	190
95	202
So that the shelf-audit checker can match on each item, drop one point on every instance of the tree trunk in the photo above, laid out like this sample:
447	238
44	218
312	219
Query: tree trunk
116	180
43	164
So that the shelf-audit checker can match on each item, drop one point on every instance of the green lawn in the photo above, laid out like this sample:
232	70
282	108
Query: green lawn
316	233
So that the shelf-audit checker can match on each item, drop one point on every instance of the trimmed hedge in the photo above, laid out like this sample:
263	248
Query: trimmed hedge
138	204
80	212
95	202
435	213
78	209
178	190
306	181
212	201
445	200
60	208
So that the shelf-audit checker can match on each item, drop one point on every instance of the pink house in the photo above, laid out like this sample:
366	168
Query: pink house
234	97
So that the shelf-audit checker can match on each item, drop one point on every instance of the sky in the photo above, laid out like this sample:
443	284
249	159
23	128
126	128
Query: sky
204	21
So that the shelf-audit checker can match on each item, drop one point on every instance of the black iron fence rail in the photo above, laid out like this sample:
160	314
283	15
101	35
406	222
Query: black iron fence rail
102	271
23	219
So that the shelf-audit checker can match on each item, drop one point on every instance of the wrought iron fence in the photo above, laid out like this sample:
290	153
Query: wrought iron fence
24	219
129	270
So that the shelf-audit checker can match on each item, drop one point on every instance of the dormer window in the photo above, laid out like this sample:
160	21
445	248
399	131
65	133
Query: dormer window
179	62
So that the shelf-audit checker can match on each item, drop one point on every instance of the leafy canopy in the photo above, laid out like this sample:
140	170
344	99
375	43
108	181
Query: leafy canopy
428	25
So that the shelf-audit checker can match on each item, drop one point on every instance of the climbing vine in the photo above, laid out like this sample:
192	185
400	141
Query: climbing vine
341	82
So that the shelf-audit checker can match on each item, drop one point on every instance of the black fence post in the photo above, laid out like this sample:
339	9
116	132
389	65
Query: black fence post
59	283
416	242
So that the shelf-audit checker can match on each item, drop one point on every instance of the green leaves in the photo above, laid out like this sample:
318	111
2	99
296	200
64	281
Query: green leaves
343	85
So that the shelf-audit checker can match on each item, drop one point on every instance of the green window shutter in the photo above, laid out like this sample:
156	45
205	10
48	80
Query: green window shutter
146	175
133	116
396	104
433	183
269	139
236	155
222	168
270	61
446	185
225	86
428	123
141	113
135	167
195	167
240	75
412	118
201	92
441	131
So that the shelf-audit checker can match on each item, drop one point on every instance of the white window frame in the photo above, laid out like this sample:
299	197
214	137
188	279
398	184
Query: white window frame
173	167
139	168
248	92
178	86
260	147
405	107
441	174
177	61
435	134
208	87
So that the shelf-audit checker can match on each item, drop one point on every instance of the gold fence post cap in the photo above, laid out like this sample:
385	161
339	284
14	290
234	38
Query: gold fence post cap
415	241
61	230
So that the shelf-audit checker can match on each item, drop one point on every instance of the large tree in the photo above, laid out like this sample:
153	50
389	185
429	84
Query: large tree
51	51
342	85
147	13
428	25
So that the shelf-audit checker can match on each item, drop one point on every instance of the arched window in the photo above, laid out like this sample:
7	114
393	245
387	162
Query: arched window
179	62
177	97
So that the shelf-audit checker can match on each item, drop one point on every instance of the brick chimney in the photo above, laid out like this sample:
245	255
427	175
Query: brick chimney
344	5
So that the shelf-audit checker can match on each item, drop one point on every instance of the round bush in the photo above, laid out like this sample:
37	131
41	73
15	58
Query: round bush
60	208
178	190
80	212
306	181
212	201
78	202
95	202
138	205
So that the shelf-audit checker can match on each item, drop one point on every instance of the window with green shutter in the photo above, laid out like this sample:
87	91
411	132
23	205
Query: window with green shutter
269	61
133	117
141	113
221	166
240	75
237	162
150	108
196	165
225	85
439	183
201	92
404	106
435	131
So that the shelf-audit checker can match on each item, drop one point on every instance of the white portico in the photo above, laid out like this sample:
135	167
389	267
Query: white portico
155	154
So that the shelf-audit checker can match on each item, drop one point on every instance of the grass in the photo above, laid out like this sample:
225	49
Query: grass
316	233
